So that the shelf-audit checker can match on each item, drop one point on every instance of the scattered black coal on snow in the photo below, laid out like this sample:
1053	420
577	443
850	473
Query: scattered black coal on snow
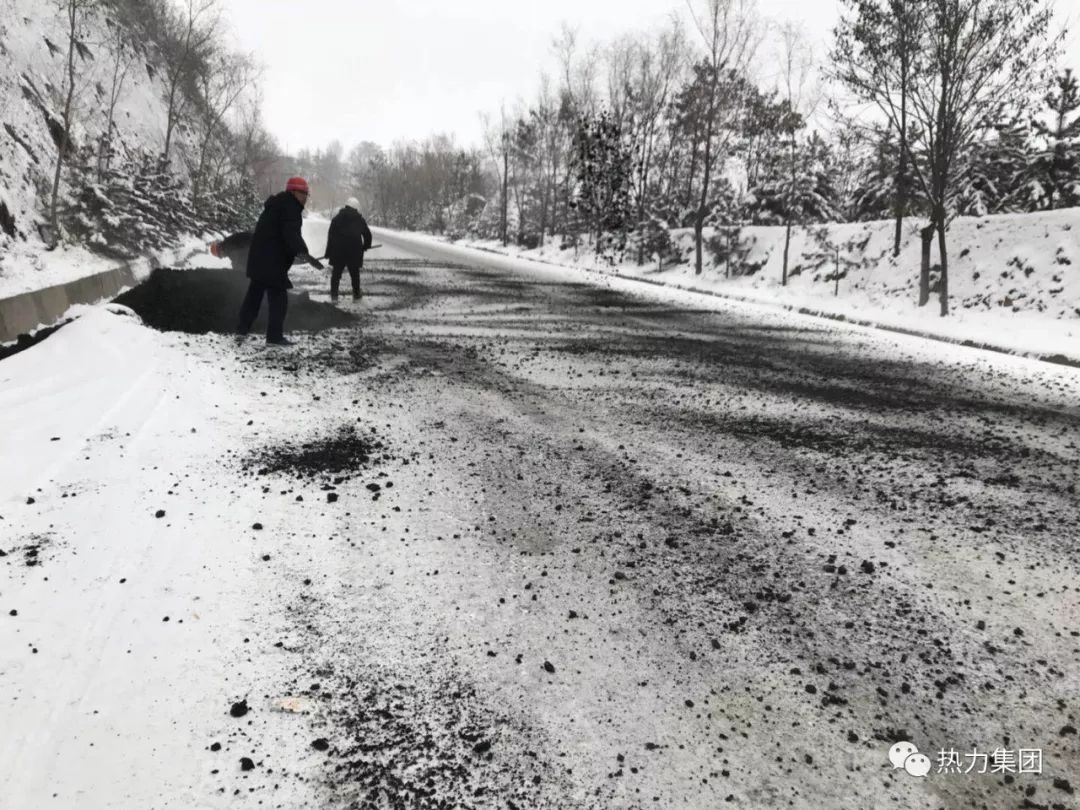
32	549
427	744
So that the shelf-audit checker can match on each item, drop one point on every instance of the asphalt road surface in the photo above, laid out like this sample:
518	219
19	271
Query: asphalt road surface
529	541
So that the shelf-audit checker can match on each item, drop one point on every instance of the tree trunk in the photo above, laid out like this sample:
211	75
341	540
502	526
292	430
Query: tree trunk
691	172
543	206
901	172
787	245
706	174
200	171
176	76
641	223
836	275
65	142
505	193
698	227
170	117
943	283
927	235
105	149
554	190
787	213
646	165
901	198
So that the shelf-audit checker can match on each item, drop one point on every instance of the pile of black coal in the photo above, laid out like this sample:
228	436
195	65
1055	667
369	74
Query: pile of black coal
339	456
208	300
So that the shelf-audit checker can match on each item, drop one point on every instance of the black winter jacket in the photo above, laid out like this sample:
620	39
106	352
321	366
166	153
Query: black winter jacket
277	242
347	239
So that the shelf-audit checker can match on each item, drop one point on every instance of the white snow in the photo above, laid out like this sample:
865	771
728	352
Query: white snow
105	703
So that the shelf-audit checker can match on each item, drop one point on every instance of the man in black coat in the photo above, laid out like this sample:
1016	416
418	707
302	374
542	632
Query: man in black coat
346	241
275	245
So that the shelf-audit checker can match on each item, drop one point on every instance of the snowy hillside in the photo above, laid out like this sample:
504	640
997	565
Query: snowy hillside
32	53
117	201
1013	263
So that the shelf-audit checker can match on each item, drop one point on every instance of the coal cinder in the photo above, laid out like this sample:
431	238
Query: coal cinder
199	301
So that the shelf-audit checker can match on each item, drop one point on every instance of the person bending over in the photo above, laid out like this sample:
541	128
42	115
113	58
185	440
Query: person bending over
234	248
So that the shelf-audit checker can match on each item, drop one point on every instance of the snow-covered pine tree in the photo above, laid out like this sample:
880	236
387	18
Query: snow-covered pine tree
848	155
1055	171
995	178
805	195
874	194
762	116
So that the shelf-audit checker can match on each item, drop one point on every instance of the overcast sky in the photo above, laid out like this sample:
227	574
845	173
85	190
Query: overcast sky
360	70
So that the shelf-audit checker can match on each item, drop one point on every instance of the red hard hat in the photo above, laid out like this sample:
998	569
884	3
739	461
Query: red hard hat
296	184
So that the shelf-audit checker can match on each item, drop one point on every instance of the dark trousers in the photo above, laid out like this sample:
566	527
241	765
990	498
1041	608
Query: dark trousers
249	310
354	276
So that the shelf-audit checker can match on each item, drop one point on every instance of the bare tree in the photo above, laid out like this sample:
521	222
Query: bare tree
732	34
222	78
796	62
657	67
579	67
361	162
551	145
257	153
189	41
75	13
620	57
498	139
331	175
983	60
123	56
578	97
875	55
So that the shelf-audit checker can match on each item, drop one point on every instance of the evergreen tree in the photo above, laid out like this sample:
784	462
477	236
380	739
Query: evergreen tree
708	114
761	124
801	196
1056	169
995	178
874	195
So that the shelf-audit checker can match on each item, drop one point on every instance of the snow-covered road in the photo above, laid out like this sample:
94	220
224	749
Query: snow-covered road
516	540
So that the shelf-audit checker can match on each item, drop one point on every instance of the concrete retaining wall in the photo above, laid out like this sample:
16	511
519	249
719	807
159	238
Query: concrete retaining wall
22	314
27	312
